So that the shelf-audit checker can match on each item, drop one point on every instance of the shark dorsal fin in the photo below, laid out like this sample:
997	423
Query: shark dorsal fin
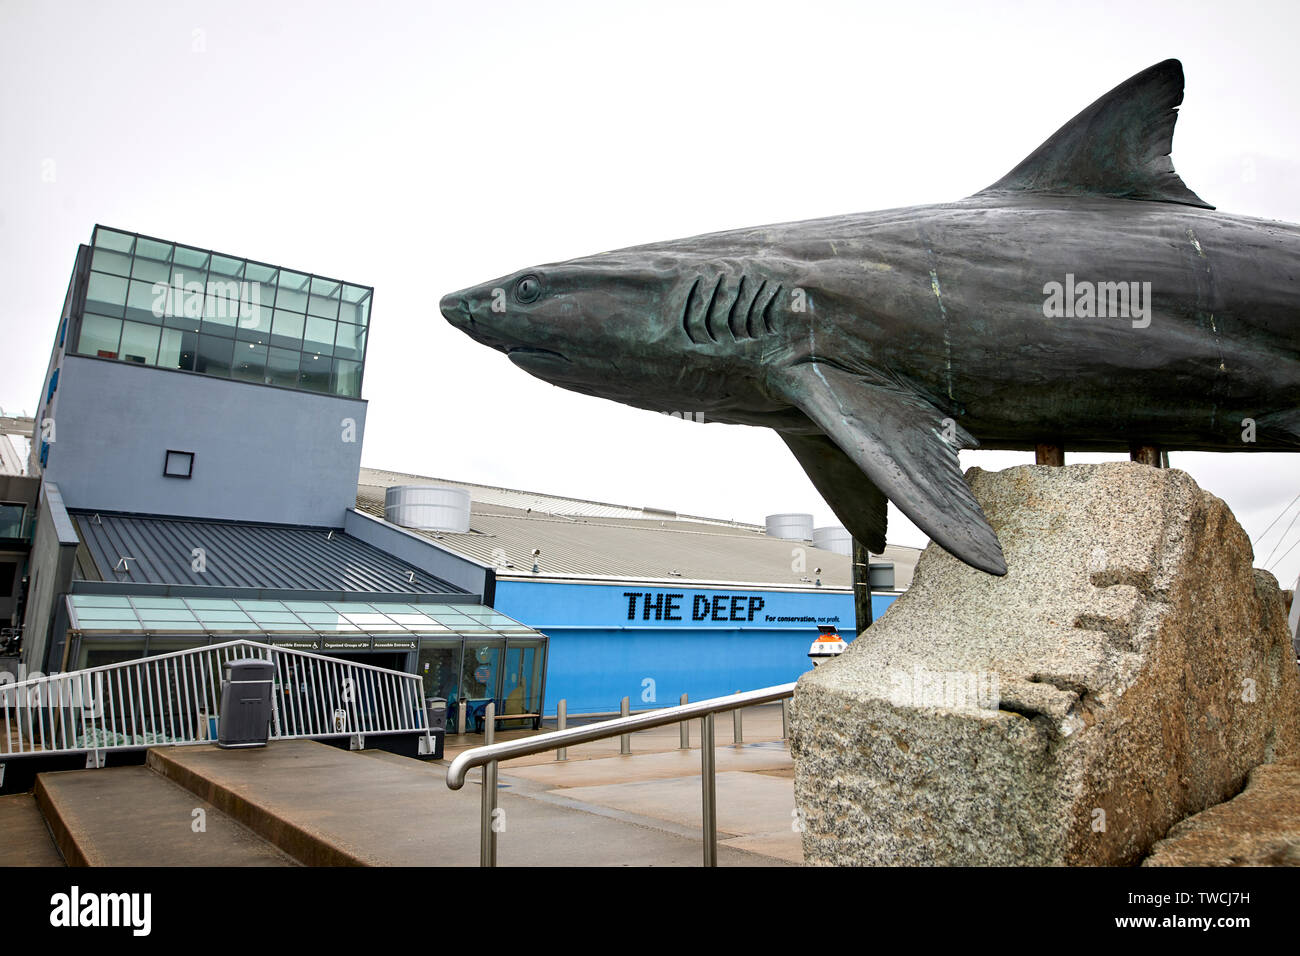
1117	147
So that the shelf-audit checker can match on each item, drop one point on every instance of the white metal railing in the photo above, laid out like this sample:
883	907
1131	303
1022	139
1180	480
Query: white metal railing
491	753
174	698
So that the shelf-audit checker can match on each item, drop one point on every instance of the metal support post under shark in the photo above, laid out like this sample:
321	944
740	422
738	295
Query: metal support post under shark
1087	298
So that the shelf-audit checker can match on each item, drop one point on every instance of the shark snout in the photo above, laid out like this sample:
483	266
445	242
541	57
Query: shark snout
458	309
491	330
455	309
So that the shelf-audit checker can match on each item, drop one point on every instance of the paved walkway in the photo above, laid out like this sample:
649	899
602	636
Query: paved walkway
24	838
323	805
657	786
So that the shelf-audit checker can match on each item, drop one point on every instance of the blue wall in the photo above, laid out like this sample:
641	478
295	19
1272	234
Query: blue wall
605	644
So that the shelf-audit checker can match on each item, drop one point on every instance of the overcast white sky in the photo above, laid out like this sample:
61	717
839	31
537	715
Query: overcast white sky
423	147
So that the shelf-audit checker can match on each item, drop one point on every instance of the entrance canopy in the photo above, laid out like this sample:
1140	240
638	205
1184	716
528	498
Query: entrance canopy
308	621
460	650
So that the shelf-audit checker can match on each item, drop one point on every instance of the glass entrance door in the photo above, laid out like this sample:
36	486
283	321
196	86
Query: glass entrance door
522	682
439	668
480	678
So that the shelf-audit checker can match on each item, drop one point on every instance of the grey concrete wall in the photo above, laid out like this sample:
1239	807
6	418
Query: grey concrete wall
422	553
261	453
19	488
54	551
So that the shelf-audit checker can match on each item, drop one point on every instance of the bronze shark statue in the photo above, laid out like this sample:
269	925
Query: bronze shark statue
1087	298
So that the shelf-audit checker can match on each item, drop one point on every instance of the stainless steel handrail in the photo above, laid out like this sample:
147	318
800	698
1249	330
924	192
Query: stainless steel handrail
489	755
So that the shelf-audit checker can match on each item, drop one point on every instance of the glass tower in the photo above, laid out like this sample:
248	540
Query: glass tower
159	303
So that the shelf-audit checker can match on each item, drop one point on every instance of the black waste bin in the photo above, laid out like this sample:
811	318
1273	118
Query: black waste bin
435	709
245	703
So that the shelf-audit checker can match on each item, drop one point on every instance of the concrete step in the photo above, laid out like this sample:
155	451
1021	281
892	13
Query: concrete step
326	806
25	840
131	816
276	792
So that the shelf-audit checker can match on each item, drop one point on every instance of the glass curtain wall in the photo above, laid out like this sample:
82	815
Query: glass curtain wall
439	665
172	306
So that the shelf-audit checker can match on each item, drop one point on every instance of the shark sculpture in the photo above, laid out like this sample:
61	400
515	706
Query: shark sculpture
1088	298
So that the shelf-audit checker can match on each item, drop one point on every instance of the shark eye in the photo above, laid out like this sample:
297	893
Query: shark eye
528	289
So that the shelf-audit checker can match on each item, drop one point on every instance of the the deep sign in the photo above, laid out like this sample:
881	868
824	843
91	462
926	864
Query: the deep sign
699	606
671	606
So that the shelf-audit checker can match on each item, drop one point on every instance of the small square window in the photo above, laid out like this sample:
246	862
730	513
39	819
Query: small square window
179	464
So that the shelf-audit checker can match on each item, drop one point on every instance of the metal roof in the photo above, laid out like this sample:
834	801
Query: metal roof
156	550
541	502
618	548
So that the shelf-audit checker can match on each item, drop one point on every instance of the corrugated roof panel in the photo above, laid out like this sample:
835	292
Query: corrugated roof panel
538	501
645	549
193	552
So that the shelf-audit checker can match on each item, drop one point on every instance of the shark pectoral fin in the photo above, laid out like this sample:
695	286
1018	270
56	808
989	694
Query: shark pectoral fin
896	438
855	500
1118	147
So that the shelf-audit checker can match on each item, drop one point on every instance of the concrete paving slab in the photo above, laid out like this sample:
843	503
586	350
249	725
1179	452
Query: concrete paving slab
130	816
766	759
748	804
784	844
325	805
24	838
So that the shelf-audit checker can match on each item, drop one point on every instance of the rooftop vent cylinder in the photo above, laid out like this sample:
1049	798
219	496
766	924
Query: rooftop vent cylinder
791	527
428	507
833	538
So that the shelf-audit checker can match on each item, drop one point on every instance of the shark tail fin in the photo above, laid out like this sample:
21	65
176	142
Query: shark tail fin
1117	147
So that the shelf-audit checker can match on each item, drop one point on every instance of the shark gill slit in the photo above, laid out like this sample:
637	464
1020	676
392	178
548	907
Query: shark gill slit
731	312
686	311
749	312
767	309
708	310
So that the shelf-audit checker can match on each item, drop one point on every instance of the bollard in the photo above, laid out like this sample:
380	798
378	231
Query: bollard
737	724
561	722
708	791
625	740
487	847
462	714
685	728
